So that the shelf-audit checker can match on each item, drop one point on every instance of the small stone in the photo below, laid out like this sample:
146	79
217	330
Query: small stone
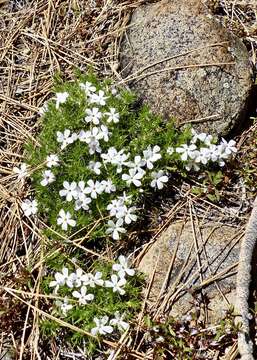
219	253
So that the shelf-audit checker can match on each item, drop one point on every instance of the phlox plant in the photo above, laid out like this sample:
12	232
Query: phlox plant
99	153
100	302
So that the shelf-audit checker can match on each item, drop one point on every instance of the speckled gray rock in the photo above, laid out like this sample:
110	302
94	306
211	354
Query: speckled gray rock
218	251
173	28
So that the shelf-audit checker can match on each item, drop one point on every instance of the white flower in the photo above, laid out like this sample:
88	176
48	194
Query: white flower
126	199
138	163
65	138
74	137
52	160
70	190
65	219
202	137
104	133
82	203
48	178
93	116
95	167
203	156
95	134
214	152
134	177
78	278
93	280
91	137
122	267
221	162
93	188
61	98
110	155
71	279
159	179
97	278
64	306
22	171
83	297
99	98
60	279
187	151
81	193
227	148
116	284
151	155
195	136
191	164
121	212
115	228
29	207
116	158
87	87
108	186
170	150
89	280
113	116
205	138
84	136
43	109
129	215
120	160
101	326
94	147
115	207
119	322
114	91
